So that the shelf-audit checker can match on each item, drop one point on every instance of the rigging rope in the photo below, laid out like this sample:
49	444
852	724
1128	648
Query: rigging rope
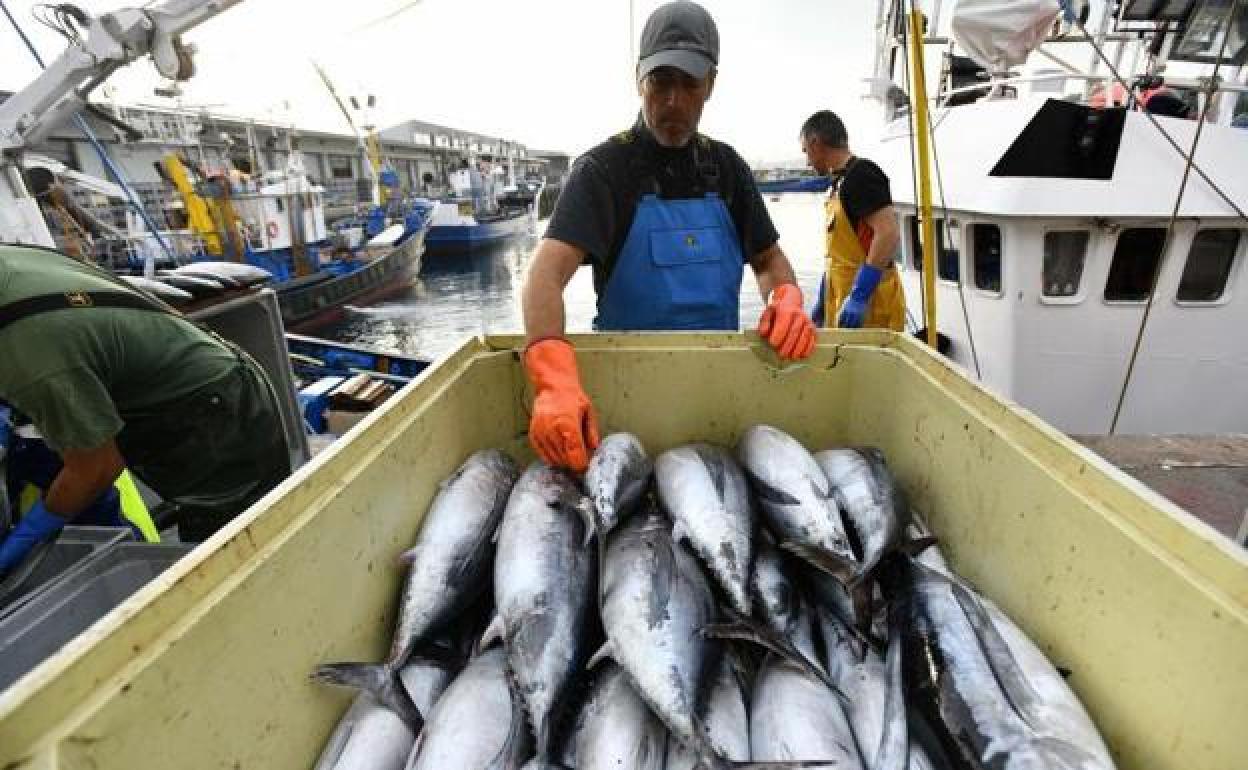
1174	215
85	128
1157	125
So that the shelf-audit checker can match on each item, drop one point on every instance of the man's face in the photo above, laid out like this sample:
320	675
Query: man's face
817	155
671	101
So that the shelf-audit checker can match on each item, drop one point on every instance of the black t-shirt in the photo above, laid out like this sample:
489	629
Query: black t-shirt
864	190
595	210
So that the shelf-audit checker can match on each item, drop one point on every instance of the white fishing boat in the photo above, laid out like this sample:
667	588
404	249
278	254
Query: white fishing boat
1059	193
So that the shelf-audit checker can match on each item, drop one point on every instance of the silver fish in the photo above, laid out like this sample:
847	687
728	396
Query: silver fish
724	720
450	563
368	737
779	602
795	716
704	491
617	730
981	700
543	591
796	499
869	496
877	707
236	272
475	725
655	604
616	479
371	736
158	289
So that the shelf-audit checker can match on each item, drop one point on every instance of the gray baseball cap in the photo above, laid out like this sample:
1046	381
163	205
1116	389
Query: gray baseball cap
682	35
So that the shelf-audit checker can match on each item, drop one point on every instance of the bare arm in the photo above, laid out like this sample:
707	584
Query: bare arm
554	264
87	473
885	237
771	269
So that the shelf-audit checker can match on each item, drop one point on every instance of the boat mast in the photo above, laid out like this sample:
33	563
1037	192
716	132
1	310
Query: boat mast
918	99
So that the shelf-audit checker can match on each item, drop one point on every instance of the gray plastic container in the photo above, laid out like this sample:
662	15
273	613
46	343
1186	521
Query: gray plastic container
69	605
74	546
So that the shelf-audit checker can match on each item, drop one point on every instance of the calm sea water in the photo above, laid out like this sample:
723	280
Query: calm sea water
479	293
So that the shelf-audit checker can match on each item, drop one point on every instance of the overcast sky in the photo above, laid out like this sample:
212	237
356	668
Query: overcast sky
553	74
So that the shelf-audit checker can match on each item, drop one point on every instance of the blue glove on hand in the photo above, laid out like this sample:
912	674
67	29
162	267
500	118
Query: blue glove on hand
37	525
854	308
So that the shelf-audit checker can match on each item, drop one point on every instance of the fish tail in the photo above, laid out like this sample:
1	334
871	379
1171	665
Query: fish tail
379	680
750	630
917	545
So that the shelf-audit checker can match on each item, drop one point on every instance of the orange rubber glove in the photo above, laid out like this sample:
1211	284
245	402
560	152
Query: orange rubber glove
785	325
563	429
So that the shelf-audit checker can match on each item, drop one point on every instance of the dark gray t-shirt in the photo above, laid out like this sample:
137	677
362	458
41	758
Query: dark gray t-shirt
595	210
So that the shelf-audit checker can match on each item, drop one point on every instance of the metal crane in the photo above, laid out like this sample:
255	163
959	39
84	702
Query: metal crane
111	41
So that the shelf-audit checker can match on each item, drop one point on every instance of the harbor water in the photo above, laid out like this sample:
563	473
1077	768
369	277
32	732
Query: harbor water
479	293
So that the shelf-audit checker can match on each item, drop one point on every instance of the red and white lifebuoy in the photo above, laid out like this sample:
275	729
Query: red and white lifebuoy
271	229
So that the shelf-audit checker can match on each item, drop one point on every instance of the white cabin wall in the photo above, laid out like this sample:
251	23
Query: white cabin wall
1192	373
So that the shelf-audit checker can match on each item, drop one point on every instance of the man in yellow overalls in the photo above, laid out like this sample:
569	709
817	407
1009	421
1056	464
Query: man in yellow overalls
861	287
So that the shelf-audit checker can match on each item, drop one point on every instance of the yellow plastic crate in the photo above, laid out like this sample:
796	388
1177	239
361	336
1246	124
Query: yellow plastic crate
208	666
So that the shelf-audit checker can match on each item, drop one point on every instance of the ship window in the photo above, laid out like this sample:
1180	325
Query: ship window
340	167
1064	254
1136	258
1208	265
986	249
946	255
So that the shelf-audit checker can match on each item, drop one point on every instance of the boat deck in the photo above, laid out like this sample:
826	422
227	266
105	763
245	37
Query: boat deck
1205	475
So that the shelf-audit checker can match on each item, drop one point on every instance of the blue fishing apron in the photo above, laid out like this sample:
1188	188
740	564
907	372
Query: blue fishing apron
680	268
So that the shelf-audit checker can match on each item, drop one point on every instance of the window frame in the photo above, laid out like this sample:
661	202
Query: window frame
1236	258
1081	291
968	231
910	233
1109	265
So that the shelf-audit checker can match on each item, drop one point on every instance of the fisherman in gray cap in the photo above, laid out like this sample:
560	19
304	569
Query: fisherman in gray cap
668	218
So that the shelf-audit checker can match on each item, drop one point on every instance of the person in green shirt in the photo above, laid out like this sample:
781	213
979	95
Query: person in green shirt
111	387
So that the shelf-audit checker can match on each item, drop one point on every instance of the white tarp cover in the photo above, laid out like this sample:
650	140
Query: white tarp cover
999	34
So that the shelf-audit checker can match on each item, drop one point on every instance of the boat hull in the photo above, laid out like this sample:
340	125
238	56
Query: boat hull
458	239
308	307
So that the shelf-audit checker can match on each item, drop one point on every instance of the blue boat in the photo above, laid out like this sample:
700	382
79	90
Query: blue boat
316	357
470	217
804	183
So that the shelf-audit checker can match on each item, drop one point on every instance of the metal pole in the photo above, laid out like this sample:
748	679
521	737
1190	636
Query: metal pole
921	128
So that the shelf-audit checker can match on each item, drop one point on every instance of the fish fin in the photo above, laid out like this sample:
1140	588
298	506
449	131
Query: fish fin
604	652
515	748
409	557
917	545
493	633
750	630
380	680
586	509
769	494
840	567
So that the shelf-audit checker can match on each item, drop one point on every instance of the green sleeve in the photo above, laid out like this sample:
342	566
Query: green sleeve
71	408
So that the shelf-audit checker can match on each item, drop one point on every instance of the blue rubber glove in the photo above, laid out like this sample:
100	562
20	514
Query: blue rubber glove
37	525
816	312
854	308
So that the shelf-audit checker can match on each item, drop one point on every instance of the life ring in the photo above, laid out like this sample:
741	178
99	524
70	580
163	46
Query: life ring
271	229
